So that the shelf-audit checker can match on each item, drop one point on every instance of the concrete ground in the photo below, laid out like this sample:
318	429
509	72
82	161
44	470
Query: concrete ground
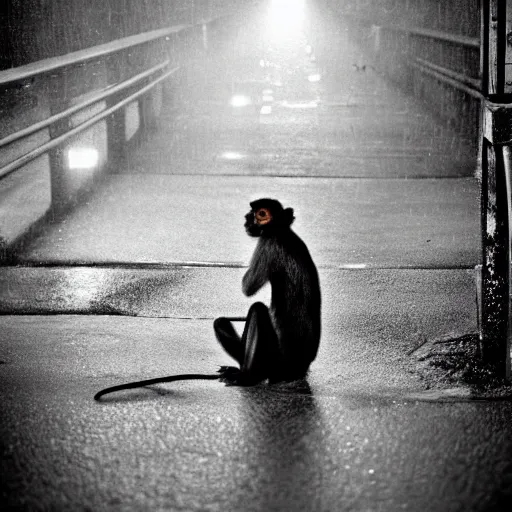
126	288
361	434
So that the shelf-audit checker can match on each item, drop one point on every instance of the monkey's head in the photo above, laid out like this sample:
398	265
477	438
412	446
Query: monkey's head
267	217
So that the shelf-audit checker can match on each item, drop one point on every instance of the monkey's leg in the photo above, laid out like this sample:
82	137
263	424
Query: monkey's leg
259	339
261	352
229	338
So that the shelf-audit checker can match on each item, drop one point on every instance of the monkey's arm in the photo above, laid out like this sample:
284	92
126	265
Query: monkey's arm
258	272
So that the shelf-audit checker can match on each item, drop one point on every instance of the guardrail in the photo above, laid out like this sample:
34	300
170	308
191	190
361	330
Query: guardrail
439	67
49	66
99	99
57	141
447	37
461	81
46	66
464	83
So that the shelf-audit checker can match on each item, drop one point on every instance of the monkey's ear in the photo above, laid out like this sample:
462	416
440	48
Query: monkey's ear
288	216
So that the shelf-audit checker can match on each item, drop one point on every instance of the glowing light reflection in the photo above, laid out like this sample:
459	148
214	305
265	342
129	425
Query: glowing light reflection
232	155
83	158
315	77
354	265
265	110
240	100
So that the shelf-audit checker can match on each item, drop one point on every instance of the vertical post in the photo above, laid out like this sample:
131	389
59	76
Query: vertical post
496	192
116	122
59	188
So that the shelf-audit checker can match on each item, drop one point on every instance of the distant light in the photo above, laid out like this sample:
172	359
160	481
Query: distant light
287	13
240	100
315	77
268	91
309	49
262	63
278	83
286	18
268	98
232	155
265	110
83	158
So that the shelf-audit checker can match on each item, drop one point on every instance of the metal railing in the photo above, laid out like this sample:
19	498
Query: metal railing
52	65
461	81
439	67
47	66
67	119
470	42
464	83
57	141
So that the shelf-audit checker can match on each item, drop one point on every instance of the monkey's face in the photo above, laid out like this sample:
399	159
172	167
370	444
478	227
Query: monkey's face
255	221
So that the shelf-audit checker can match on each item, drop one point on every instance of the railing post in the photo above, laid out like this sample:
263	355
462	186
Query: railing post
496	194
116	123
59	197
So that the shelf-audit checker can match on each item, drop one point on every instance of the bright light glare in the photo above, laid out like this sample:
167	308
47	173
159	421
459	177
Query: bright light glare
232	155
286	16
240	100
315	77
83	158
265	110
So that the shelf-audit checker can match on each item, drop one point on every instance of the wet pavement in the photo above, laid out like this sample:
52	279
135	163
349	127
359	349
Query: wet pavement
361	434
389	223
127	285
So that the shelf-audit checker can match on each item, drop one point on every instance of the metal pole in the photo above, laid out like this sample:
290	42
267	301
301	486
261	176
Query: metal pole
496	322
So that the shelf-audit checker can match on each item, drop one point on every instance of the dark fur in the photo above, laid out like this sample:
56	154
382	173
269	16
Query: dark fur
282	258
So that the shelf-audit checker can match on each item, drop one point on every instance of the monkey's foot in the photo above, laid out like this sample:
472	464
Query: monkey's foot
235	377
228	374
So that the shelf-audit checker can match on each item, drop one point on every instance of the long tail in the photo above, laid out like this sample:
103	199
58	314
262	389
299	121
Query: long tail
149	382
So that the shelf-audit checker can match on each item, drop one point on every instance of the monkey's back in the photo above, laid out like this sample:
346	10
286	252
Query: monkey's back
296	299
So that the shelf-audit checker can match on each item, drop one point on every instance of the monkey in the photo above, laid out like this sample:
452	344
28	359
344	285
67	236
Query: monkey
279	343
